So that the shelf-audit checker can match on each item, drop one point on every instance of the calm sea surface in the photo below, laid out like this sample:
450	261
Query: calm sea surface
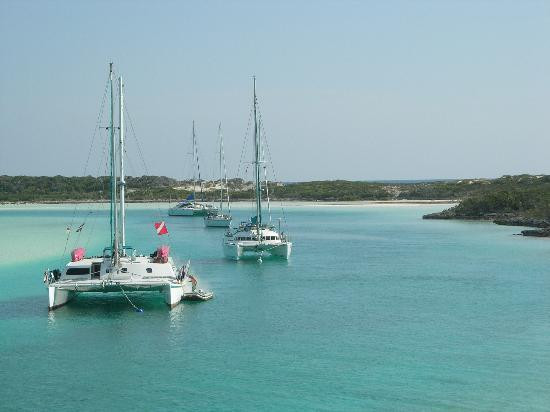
377	309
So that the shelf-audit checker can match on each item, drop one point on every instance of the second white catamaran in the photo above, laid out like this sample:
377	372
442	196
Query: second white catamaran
256	238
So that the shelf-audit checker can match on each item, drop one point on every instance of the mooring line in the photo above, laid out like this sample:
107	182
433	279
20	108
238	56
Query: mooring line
131	303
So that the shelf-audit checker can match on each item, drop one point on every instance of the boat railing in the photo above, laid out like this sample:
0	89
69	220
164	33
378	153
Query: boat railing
108	251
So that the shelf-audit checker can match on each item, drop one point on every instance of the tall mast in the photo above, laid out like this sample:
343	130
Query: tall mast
114	220
198	163
194	166
225	175
257	155
221	177
122	177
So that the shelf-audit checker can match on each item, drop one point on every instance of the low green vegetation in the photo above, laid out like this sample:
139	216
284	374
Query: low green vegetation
523	195
509	197
333	190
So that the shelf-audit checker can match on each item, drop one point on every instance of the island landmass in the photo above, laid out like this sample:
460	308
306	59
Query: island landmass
520	200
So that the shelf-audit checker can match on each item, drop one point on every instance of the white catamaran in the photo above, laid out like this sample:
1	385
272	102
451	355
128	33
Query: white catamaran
220	219
119	268
189	206
256	238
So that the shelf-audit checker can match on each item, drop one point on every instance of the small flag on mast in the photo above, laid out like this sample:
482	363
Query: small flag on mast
161	228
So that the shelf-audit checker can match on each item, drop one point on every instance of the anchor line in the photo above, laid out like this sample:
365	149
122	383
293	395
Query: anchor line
126	296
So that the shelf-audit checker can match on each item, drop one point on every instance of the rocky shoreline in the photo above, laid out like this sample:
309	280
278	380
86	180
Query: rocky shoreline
509	219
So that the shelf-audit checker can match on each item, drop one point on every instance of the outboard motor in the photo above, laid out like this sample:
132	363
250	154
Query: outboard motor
56	273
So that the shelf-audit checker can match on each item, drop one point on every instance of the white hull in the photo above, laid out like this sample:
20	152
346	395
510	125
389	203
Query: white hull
237	251
217	222
63	291
180	212
58	297
191	211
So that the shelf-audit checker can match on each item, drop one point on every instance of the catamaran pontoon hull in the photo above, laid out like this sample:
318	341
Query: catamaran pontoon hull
63	291
217	221
239	251
58	297
195	210
185	212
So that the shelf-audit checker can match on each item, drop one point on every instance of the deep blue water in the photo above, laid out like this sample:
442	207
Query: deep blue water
377	309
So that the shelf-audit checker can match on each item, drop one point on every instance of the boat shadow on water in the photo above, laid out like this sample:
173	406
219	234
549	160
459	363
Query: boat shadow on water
266	259
89	304
92	304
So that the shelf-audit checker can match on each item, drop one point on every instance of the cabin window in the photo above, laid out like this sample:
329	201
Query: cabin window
78	271
149	270
96	270
124	270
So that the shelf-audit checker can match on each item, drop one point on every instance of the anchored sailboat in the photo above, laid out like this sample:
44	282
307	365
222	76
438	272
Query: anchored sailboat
220	219
119	268
255	237
190	206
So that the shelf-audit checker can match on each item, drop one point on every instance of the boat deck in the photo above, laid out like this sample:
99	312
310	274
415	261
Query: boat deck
97	285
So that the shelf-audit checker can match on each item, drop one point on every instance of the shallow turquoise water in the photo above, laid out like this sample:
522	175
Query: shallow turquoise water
377	309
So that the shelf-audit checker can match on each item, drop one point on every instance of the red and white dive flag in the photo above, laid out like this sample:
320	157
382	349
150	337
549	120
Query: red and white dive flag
161	228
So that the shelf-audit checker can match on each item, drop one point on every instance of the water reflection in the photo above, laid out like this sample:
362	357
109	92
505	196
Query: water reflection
176	316
51	319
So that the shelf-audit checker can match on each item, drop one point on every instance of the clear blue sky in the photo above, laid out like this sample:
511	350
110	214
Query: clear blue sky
355	90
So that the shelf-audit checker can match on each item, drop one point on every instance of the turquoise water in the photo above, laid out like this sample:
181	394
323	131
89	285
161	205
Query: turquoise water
377	309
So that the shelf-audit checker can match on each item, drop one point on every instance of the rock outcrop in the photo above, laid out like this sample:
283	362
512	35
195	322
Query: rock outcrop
507	219
536	232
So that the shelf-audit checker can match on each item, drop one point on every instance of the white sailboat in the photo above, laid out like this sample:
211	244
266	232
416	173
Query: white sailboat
119	268
220	219
255	238
190	206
